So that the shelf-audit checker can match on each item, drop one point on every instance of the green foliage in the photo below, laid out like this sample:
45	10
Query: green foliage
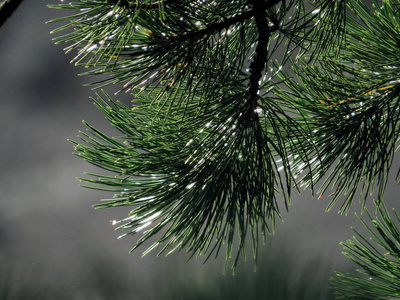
378	257
217	129
350	105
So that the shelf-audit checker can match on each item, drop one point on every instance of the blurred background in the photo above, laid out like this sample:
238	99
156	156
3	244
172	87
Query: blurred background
54	245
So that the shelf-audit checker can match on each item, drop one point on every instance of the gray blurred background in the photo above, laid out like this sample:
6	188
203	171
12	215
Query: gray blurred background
54	245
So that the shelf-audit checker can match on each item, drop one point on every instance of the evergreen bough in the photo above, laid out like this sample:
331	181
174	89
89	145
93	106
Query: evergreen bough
235	102
379	258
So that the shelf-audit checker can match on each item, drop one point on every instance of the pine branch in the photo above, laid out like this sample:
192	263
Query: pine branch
7	8
353	119
261	53
207	149
378	258
210	29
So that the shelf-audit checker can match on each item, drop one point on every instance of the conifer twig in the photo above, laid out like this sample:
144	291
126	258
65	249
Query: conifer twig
154	5
367	93
7	7
211	28
226	23
260	58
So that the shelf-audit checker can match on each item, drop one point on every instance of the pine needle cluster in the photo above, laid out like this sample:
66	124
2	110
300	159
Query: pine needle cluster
378	257
235	104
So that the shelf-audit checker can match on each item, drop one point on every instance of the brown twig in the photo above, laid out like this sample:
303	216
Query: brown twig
353	98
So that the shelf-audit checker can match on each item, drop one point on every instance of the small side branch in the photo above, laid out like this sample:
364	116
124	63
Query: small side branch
260	58
132	5
216	27
7	7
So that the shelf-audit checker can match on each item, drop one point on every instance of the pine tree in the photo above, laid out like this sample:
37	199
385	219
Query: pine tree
235	103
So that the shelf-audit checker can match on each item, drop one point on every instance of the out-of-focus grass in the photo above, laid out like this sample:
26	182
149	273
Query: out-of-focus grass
280	275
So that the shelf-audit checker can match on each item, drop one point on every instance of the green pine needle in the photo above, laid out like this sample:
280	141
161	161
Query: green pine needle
219	130
378	257
350	105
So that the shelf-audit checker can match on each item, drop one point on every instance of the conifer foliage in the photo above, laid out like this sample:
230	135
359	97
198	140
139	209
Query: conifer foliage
378	257
235	103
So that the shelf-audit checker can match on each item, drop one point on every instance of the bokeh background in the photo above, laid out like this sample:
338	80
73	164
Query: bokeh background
54	245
